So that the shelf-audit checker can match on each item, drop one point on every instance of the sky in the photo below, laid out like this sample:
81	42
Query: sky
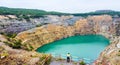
67	6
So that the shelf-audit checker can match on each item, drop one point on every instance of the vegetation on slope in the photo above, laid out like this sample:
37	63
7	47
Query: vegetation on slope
20	57
35	13
26	13
112	13
9	34
10	56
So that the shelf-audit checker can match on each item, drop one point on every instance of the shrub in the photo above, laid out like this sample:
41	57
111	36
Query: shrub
14	43
30	48
43	57
38	25
46	59
75	63
118	54
59	59
47	62
8	43
12	35
4	53
1	49
82	63
17	44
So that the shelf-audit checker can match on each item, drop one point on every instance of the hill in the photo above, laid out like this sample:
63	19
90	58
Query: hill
33	13
99	12
105	11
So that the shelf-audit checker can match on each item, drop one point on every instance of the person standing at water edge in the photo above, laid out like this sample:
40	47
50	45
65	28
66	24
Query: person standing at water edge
68	57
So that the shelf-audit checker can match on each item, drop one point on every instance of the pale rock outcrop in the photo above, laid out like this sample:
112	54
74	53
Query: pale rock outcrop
3	17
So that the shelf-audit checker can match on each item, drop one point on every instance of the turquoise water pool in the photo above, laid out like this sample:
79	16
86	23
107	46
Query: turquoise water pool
87	47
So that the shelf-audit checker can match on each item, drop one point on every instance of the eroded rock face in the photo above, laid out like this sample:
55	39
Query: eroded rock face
58	28
12	24
103	25
118	29
117	25
39	36
111	55
82	27
10	56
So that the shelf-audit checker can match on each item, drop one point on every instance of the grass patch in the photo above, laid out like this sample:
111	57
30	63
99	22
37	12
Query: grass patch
11	41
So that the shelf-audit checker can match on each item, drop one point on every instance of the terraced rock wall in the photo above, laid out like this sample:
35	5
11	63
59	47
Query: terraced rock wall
39	36
12	24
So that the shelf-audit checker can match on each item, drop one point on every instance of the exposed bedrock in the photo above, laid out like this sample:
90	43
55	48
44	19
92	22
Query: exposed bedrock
111	55
12	24
103	25
39	36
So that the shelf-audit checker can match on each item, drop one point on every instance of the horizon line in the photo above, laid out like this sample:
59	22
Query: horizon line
60	11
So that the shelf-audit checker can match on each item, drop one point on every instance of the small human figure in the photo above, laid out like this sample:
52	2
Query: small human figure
68	57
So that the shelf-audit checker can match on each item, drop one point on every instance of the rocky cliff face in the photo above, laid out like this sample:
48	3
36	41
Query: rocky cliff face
111	55
12	24
96	25
110	29
103	25
117	25
62	27
39	36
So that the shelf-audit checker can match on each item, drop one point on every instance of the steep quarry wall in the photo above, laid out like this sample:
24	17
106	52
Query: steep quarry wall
63	27
39	36
13	24
111	55
103	25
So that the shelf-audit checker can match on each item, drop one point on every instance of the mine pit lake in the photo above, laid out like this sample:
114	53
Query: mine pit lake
85	47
